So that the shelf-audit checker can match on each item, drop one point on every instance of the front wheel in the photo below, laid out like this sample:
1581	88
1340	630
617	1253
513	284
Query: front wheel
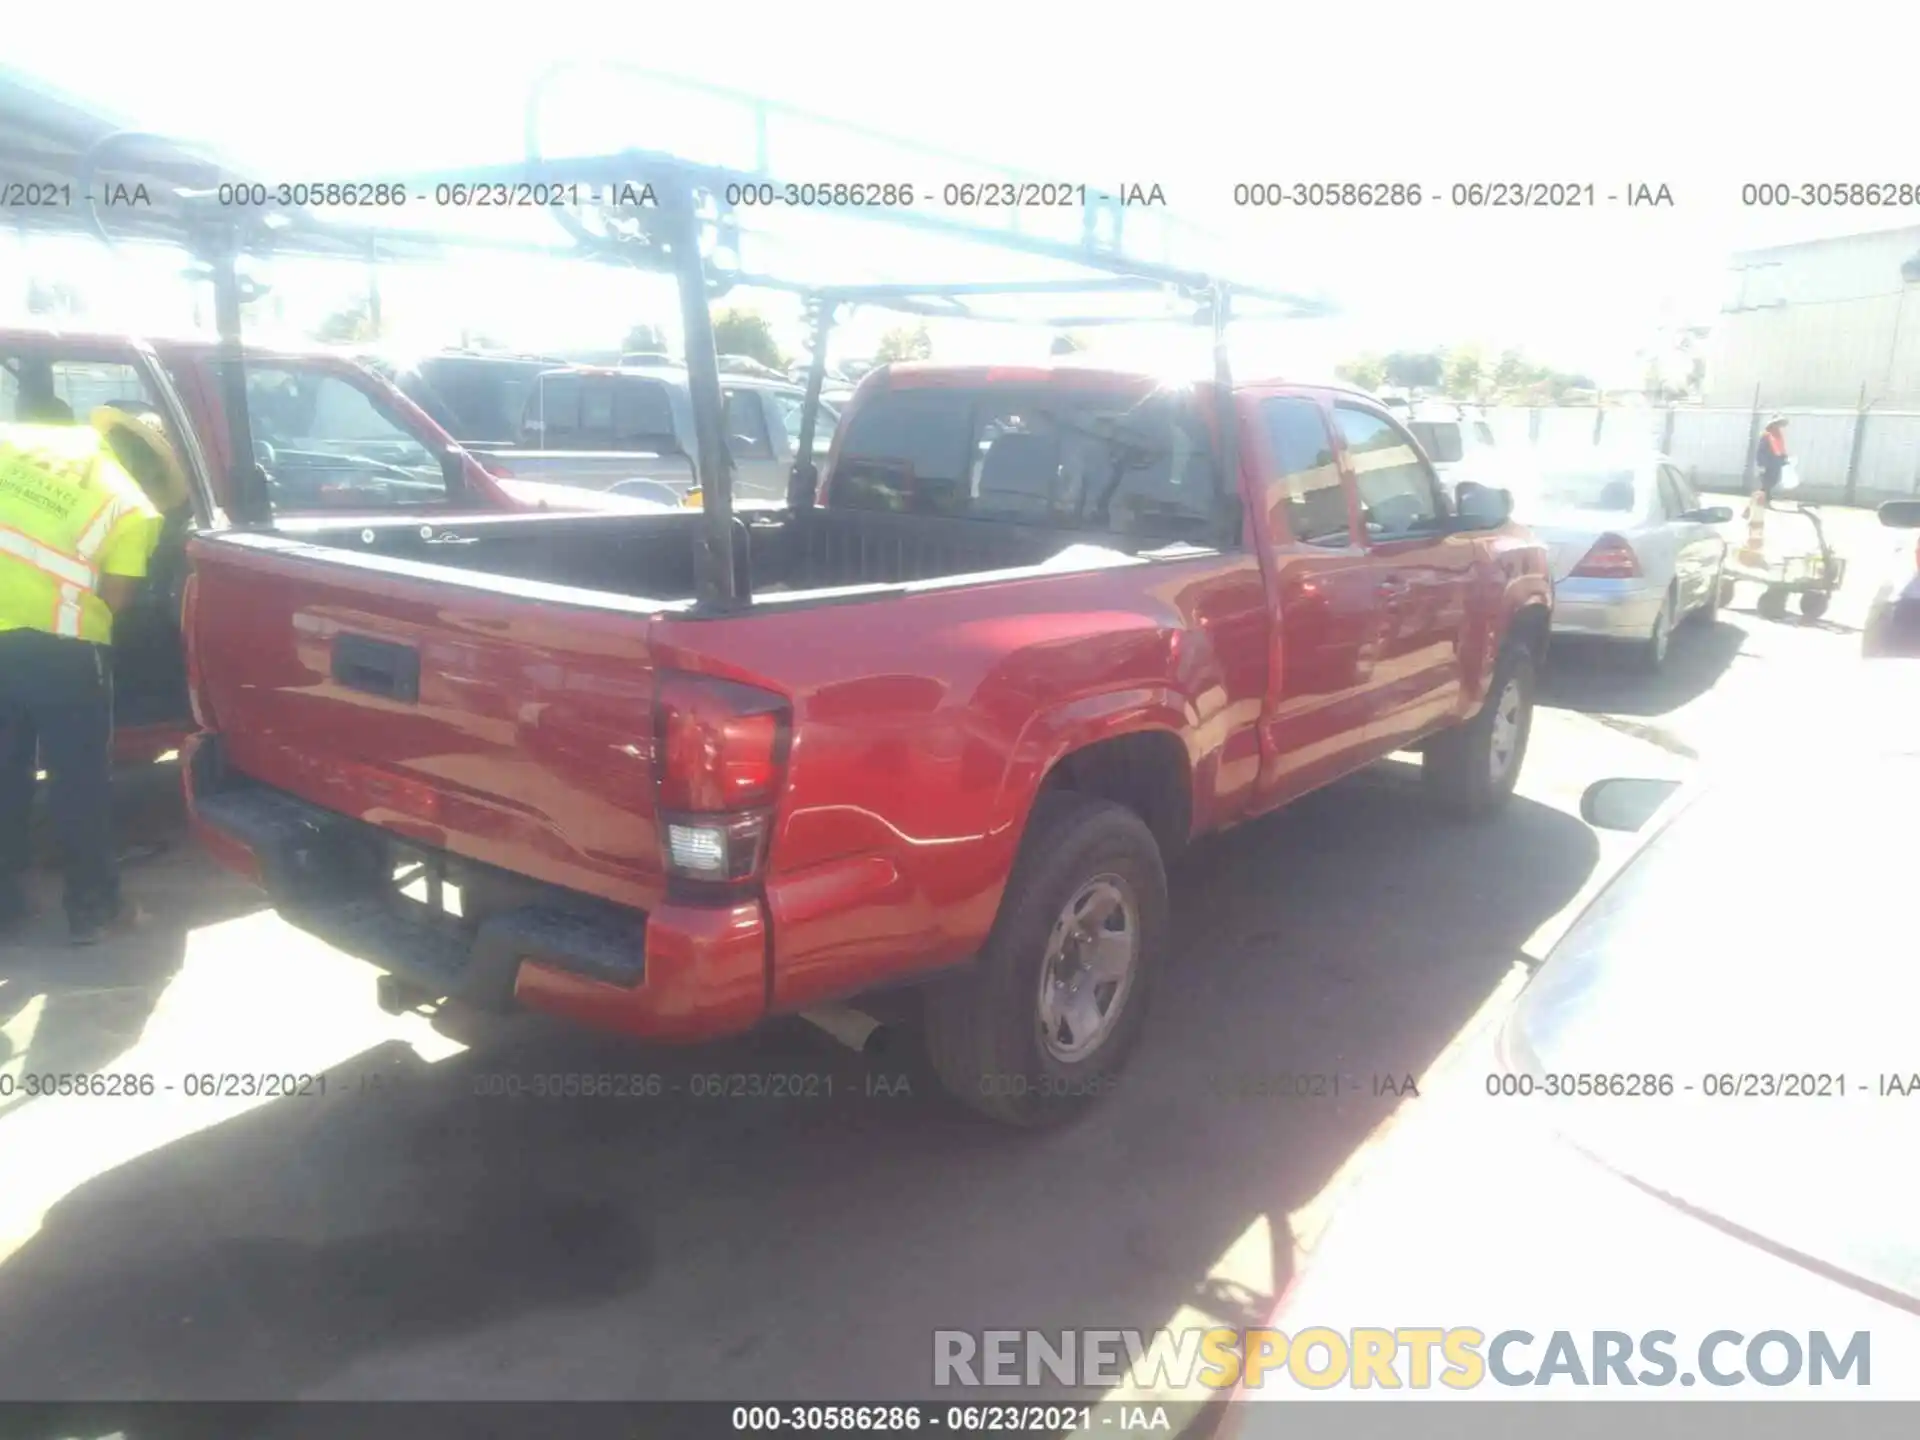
1773	603
1813	603
1038	1028
1471	770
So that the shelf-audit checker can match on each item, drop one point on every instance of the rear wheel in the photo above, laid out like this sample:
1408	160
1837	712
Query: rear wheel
1471	770
1040	1026
1773	603
1813	604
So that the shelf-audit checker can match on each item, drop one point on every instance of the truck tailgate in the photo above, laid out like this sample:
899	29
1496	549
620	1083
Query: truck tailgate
510	725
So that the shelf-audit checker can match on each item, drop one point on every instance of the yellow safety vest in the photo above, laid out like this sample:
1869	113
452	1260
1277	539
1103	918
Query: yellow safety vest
68	515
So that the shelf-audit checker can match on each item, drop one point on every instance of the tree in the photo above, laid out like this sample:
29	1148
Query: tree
351	324
1067	343
743	332
644	339
1413	369
1464	373
1512	372
904	342
1369	372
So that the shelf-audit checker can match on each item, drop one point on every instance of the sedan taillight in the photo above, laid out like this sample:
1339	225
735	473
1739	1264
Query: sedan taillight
1611	558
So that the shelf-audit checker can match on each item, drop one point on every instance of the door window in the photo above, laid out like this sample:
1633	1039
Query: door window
1398	493
1311	497
1672	504
746	425
789	407
36	389
1688	496
326	443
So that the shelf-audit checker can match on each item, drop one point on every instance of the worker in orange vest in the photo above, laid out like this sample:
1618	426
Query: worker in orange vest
1771	455
76	534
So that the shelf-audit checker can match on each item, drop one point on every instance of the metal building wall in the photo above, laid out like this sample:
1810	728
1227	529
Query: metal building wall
1819	323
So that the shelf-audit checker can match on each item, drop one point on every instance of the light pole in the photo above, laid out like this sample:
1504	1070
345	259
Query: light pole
1909	276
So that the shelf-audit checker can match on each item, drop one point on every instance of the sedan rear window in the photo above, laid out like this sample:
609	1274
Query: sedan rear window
1074	461
1614	492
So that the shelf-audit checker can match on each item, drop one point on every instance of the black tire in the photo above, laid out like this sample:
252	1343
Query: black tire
1458	765
1773	603
1814	603
1653	650
983	1025
1724	592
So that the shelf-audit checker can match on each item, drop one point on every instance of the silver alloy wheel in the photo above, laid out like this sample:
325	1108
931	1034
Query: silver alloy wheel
1093	955
1504	740
1663	629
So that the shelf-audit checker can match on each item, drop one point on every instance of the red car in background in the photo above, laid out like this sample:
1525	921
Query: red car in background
333	438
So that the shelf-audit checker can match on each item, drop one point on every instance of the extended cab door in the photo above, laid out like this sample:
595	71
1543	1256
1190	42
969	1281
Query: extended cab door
1421	576
1319	716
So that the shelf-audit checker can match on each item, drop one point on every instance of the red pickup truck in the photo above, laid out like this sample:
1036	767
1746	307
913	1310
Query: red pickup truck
1029	642
334	439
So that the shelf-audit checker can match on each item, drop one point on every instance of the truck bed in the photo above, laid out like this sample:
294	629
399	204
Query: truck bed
651	557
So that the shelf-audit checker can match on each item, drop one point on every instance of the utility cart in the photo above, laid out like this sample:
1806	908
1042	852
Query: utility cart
1812	571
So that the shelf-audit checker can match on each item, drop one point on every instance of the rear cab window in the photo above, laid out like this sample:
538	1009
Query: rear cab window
1070	459
599	412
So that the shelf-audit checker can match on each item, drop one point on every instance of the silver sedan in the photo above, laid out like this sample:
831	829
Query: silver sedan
1634	551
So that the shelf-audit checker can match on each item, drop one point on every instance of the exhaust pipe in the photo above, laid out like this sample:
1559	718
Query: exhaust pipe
855	1029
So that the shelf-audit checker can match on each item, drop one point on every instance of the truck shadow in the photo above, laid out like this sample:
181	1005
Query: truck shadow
1601	678
421	1231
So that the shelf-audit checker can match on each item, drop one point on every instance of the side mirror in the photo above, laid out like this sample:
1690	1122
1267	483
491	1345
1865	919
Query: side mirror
1711	515
1624	803
1481	507
1901	514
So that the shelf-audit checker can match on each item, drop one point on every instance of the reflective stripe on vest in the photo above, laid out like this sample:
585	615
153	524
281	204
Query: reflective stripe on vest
76	574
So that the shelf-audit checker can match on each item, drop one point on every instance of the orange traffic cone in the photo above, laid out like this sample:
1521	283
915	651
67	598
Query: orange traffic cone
1754	551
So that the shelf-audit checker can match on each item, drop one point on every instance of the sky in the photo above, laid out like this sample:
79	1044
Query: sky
1193	99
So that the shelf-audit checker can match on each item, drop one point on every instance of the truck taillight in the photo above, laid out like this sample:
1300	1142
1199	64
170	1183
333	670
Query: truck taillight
1611	558
720	753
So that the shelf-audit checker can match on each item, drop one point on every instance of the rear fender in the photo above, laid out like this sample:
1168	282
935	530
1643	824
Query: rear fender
1060	731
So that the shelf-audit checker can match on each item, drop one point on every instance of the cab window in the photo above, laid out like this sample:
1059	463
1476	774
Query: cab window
1399	496
1312	501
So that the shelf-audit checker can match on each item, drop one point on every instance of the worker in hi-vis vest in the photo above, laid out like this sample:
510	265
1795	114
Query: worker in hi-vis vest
76	534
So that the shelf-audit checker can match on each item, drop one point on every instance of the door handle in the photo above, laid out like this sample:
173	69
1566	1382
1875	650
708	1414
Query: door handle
377	667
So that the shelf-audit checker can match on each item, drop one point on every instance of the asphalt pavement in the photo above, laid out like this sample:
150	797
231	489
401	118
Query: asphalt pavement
406	1233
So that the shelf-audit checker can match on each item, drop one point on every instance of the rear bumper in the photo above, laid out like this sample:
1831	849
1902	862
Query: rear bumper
680	972
1606	609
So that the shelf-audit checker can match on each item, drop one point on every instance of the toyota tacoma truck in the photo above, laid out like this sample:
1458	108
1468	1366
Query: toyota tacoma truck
1025	639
